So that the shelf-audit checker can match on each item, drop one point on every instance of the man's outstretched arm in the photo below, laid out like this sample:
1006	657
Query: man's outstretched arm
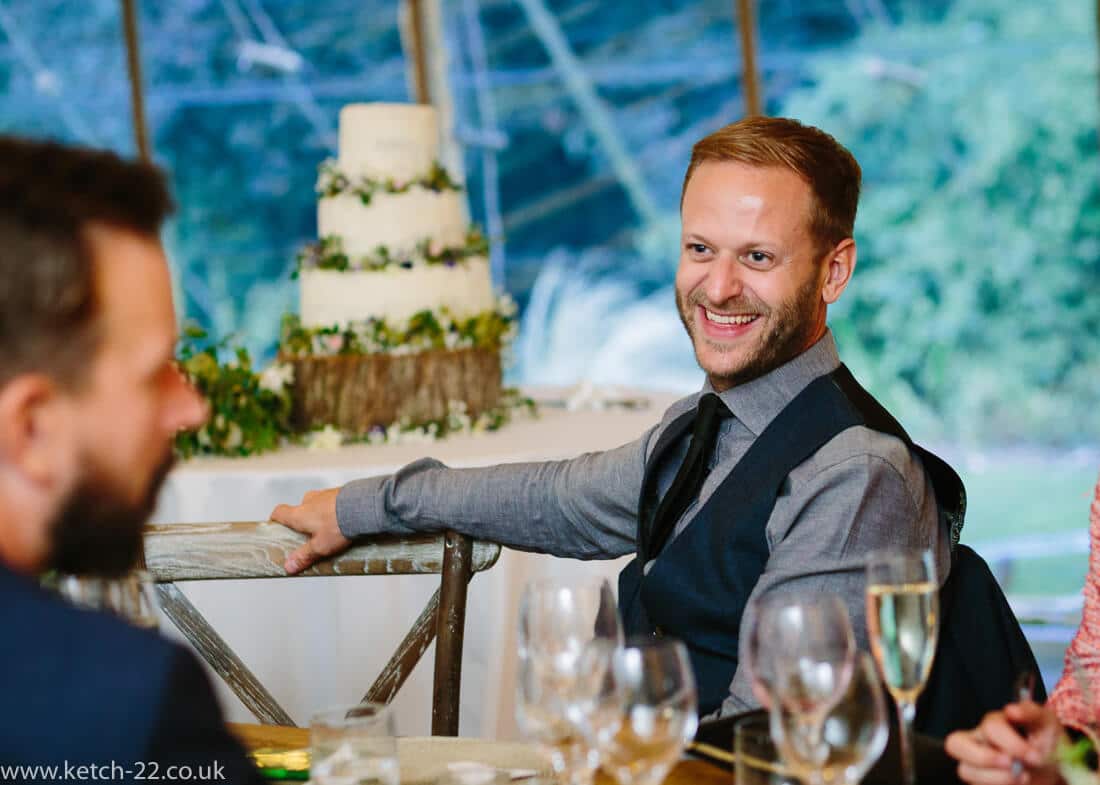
583	508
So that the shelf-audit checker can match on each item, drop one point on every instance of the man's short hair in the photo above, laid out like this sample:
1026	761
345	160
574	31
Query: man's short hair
820	160
50	194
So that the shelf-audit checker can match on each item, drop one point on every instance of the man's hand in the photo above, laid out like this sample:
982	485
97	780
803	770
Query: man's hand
315	517
1024	732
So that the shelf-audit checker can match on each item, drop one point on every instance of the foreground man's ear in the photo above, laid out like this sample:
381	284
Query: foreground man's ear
34	430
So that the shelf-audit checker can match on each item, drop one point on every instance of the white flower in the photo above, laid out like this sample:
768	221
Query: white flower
506	305
376	436
334	343
328	438
436	247
481	424
276	377
234	438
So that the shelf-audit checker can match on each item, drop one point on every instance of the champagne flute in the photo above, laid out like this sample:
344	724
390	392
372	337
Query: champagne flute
802	653
568	633
656	688
854	733
903	622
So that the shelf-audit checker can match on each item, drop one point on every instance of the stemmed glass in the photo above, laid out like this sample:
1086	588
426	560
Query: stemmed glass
653	680
854	733
566	702
903	622
800	656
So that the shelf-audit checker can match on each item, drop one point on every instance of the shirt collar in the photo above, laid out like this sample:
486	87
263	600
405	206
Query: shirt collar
756	403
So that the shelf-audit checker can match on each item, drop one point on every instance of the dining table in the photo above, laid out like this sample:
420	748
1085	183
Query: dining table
688	771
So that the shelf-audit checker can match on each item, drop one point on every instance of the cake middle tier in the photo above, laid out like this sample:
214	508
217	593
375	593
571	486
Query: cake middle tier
397	222
331	298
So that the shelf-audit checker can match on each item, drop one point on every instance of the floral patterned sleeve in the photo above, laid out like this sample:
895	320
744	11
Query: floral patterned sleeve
1067	700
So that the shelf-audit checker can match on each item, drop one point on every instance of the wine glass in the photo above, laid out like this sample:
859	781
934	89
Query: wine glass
131	596
656	689
354	744
801	655
853	736
756	759
568	633
903	622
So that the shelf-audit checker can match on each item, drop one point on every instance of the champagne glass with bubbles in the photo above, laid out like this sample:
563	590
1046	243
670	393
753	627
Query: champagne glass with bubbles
566	701
903	622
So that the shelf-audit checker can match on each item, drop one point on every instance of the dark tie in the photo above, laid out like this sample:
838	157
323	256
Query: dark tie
693	472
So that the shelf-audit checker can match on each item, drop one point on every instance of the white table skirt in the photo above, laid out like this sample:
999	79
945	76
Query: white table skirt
319	642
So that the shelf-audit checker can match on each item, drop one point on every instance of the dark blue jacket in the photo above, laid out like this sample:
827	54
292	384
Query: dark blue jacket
86	689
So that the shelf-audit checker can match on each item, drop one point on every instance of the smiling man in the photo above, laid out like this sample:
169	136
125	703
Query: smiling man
780	475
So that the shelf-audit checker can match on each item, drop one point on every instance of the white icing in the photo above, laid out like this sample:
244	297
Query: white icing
388	140
397	221
333	298
398	141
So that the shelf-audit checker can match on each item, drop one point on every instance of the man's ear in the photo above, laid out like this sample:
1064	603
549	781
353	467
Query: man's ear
33	429
839	266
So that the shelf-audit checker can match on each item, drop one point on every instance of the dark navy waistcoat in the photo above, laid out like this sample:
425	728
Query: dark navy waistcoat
697	588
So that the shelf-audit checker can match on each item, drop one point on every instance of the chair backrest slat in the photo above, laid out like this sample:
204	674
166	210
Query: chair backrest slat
257	549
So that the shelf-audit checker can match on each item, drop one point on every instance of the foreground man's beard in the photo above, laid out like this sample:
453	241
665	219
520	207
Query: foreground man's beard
97	531
788	336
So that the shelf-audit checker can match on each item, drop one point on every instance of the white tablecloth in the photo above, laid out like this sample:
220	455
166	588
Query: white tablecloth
319	642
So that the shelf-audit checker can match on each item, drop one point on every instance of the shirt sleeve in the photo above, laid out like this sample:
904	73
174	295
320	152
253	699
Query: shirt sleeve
583	508
824	530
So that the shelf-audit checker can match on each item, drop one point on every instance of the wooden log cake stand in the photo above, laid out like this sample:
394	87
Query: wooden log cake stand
357	392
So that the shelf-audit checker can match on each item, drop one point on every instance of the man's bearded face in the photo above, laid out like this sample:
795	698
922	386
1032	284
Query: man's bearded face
97	530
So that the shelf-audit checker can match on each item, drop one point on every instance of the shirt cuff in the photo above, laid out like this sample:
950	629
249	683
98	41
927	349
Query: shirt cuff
361	507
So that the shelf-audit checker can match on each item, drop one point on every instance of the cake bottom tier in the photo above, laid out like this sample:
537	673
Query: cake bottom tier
358	392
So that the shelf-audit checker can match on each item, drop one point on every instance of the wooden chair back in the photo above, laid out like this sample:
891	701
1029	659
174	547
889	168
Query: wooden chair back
218	551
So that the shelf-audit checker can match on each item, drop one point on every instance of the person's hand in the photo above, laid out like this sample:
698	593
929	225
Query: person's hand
1024	732
315	517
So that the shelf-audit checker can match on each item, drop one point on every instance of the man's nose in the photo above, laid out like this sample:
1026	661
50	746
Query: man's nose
188	408
724	281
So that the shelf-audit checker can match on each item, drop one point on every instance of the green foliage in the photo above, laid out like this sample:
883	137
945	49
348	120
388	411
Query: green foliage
333	182
328	254
975	307
424	330
249	412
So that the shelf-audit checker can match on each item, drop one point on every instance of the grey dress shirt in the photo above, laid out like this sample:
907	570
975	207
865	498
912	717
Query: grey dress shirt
862	491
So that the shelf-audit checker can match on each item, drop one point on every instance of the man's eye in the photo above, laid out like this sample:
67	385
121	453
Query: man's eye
697	248
759	257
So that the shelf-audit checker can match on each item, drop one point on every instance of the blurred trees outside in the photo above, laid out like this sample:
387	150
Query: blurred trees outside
974	311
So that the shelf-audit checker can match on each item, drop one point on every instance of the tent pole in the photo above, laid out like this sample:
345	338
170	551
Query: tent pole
750	79
133	62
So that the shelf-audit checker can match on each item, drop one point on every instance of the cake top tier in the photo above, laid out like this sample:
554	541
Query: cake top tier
388	140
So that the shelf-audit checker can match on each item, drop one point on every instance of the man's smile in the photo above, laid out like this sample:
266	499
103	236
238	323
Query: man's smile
720	325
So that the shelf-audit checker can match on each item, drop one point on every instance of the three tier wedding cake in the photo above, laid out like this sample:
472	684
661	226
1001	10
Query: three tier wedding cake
397	318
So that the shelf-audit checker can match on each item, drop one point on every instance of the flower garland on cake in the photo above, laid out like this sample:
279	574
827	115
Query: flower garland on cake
328	254
332	182
426	330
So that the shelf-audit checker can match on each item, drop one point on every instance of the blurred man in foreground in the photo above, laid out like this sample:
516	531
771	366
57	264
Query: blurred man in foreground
90	400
